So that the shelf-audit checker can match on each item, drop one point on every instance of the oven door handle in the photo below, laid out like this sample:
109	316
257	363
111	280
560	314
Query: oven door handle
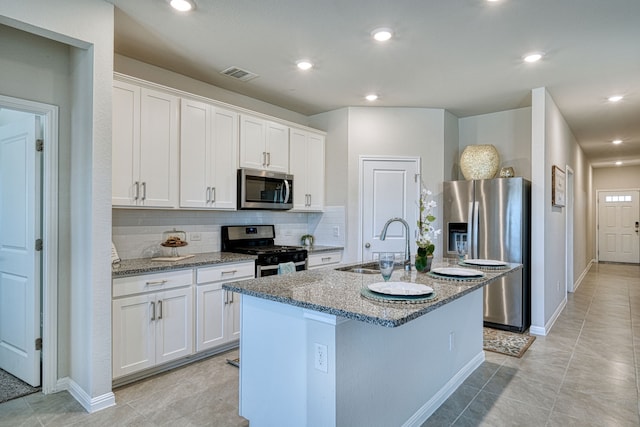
262	268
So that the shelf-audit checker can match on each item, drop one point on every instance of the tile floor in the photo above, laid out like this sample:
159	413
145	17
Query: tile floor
584	373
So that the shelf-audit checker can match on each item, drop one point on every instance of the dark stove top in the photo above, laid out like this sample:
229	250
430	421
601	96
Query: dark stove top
267	249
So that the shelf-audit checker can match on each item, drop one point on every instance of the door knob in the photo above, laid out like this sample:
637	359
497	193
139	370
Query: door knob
367	245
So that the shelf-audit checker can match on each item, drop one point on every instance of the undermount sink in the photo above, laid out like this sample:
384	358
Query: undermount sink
365	268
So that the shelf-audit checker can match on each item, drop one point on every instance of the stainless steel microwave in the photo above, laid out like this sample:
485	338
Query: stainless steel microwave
258	189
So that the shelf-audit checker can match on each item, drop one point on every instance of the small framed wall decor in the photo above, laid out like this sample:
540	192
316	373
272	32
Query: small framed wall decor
557	186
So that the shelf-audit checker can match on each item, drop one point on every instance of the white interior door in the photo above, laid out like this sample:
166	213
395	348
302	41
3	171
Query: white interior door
390	188
618	216
19	260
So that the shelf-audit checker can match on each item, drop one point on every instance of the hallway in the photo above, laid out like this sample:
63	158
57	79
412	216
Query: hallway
584	373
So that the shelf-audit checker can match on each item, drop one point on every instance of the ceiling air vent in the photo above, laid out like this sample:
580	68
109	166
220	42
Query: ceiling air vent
239	73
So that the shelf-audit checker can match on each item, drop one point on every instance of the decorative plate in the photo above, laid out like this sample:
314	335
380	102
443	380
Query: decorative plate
400	288
458	272
485	262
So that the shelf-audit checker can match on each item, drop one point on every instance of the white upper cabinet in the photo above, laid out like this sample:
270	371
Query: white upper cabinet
263	144
208	156
145	147
307	168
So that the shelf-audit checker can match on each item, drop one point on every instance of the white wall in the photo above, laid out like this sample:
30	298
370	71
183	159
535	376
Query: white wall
616	178
87	27
553	144
509	131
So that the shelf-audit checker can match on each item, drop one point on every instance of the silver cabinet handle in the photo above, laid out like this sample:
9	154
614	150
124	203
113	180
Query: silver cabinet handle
144	190
208	194
156	282
231	297
268	159
367	245
153	310
160	309
137	193
226	297
326	259
222	273
213	194
264	158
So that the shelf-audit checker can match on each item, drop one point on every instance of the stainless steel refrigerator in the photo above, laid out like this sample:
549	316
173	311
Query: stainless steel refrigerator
495	217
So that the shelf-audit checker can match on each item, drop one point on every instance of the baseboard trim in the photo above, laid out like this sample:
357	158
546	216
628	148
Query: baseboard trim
90	404
444	393
583	275
543	331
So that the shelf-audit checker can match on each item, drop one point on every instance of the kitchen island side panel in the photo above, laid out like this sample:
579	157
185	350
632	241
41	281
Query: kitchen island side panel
375	376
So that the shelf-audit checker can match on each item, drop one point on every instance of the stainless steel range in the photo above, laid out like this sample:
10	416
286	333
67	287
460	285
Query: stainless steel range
259	240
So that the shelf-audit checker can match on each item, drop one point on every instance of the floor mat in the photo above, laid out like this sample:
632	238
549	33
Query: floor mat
503	342
12	388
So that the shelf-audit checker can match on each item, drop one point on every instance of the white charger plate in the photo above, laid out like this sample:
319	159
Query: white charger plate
485	262
400	288
457	272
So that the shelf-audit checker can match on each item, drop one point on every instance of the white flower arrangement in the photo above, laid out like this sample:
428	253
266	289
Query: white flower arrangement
427	233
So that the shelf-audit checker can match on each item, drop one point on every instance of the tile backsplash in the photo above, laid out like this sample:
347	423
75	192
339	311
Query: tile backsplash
137	233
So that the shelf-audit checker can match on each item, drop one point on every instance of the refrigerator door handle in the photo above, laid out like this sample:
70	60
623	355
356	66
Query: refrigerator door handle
475	224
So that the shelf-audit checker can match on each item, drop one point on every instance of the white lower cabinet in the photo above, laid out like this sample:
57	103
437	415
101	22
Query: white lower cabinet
323	259
217	310
153	326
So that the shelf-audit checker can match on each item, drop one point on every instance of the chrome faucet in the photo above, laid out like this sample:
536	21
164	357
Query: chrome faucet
407	251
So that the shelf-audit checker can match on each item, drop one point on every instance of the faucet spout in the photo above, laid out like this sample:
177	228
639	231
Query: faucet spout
407	251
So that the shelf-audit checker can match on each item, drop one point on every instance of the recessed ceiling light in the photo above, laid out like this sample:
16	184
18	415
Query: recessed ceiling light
304	64
615	98
382	34
618	163
533	57
616	141
371	97
182	5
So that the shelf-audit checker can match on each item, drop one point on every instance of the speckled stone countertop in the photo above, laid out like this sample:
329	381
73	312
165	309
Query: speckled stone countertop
133	267
338	292
319	248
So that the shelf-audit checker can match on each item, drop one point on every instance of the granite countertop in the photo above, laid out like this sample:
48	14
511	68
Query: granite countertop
338	292
133	267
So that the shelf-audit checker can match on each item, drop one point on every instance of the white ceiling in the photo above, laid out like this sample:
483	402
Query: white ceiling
461	55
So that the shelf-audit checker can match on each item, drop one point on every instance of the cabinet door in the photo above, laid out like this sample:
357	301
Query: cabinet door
174	324
210	316
232	316
315	172
277	147
252	143
195	154
125	145
224	158
133	334
158	149
298	168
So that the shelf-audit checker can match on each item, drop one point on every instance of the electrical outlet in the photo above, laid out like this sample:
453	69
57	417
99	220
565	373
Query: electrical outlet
336	231
195	237
451	341
320	357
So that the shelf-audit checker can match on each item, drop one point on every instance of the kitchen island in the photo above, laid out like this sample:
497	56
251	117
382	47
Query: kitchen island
314	351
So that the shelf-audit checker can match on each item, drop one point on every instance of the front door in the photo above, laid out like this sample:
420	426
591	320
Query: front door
390	188
618	227
19	261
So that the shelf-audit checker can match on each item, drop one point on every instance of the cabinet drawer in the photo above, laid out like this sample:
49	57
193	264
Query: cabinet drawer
324	258
151	282
226	273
